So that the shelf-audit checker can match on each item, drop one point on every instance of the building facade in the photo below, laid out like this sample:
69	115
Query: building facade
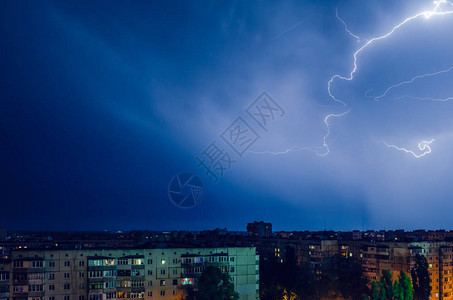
376	257
259	229
122	273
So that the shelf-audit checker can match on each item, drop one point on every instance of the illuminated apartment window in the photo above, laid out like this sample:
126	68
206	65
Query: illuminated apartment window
162	283
96	285
162	261
125	283
109	284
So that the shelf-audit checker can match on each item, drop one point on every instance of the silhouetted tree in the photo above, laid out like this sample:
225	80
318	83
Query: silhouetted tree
387	284
374	291
382	291
406	286
420	278
337	276
385	289
350	281
213	285
397	291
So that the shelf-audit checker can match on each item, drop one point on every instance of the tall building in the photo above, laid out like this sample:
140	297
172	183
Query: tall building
376	257
2	233
5	278
123	274
259	229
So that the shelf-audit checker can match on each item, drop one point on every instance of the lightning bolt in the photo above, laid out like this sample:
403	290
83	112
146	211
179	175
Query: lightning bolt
290	28
346	28
326	121
426	98
422	146
436	11
412	81
319	151
427	14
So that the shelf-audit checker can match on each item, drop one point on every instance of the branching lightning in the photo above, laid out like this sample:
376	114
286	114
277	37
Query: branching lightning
427	98
422	146
427	14
320	151
326	121
346	28
436	11
412	81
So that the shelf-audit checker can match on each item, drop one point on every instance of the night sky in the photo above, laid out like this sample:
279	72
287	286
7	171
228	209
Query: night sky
103	103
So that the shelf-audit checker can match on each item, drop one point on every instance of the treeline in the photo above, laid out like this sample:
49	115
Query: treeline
419	288
386	289
339	277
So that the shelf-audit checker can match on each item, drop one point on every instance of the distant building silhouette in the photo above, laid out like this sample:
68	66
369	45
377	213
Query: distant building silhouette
259	229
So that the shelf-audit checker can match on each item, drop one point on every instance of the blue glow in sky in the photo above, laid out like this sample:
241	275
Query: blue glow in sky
103	103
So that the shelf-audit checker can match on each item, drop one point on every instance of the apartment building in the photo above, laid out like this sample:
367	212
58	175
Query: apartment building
124	273
376	257
5	278
259	229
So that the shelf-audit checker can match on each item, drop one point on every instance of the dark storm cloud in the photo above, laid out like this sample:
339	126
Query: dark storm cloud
103	103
